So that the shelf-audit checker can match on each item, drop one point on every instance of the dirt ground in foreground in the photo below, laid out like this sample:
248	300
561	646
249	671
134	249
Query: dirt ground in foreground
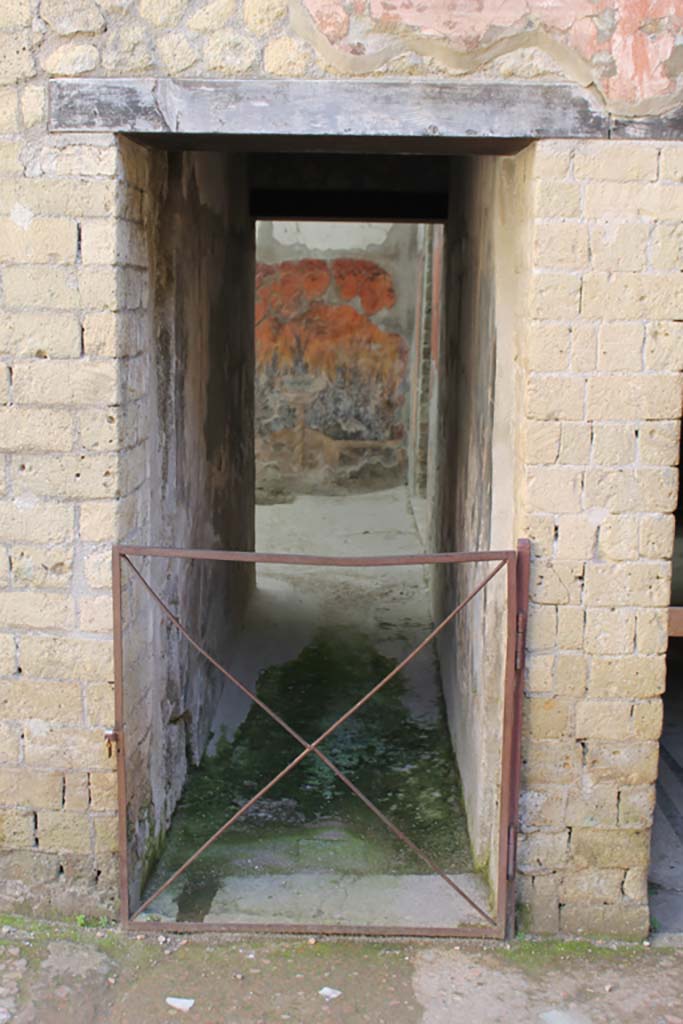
66	974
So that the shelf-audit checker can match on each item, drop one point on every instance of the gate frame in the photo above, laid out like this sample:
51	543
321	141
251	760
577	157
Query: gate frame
517	565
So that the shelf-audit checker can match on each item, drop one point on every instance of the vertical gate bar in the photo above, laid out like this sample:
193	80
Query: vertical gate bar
506	777
522	571
120	740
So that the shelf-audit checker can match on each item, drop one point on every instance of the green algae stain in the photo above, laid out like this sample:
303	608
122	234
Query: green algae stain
310	821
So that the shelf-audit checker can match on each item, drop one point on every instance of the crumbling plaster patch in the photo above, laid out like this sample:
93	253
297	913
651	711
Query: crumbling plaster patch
614	46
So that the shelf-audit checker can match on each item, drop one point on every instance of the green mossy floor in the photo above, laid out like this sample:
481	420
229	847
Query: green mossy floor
310	821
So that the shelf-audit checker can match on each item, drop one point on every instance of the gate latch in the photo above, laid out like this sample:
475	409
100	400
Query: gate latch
520	641
111	737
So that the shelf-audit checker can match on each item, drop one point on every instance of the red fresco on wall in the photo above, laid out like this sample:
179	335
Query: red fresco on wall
627	42
330	379
366	280
294	327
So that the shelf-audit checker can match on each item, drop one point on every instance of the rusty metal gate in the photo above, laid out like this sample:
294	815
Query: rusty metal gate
496	923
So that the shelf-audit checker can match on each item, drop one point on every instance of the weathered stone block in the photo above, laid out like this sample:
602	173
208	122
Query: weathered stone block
542	442
664	346
287	57
630	676
66	749
584	347
556	582
557	199
652	632
67	658
76	792
570	674
26	609
618	246
49	524
548	346
70	59
555	397
627	583
658	443
99	699
603	720
614	444
25	335
20	787
36	430
616	161
610	631
10	736
594	884
41	287
576	537
618	534
620	346
560	244
557	296
609	848
575	446
629	764
41	566
542	851
606	200
103	791
176	53
647	719
95	614
70	477
631	296
106	835
555	489
540	672
570	626
541	628
623	920
549	761
54	702
60	831
541	808
636	806
16	829
641	396
547	717
592	804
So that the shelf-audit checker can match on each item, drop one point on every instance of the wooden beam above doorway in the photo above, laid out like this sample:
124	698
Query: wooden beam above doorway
357	109
675	621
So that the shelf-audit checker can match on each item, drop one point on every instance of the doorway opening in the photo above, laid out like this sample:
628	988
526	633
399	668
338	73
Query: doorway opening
335	386
666	864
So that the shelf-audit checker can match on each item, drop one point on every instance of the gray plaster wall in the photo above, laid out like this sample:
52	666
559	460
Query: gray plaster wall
473	468
201	475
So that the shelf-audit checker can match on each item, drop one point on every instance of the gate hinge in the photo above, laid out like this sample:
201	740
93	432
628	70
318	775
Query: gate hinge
512	852
520	641
111	738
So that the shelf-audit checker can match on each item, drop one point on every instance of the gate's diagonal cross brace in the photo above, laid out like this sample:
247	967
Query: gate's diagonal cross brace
313	747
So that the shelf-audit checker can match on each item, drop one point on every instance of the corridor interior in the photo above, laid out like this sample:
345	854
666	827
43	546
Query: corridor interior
345	402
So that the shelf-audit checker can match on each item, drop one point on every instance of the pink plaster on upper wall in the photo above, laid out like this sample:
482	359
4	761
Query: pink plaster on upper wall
626	44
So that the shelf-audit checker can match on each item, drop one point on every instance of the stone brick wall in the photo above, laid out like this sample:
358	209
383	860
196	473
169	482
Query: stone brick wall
601	361
72	431
597	362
